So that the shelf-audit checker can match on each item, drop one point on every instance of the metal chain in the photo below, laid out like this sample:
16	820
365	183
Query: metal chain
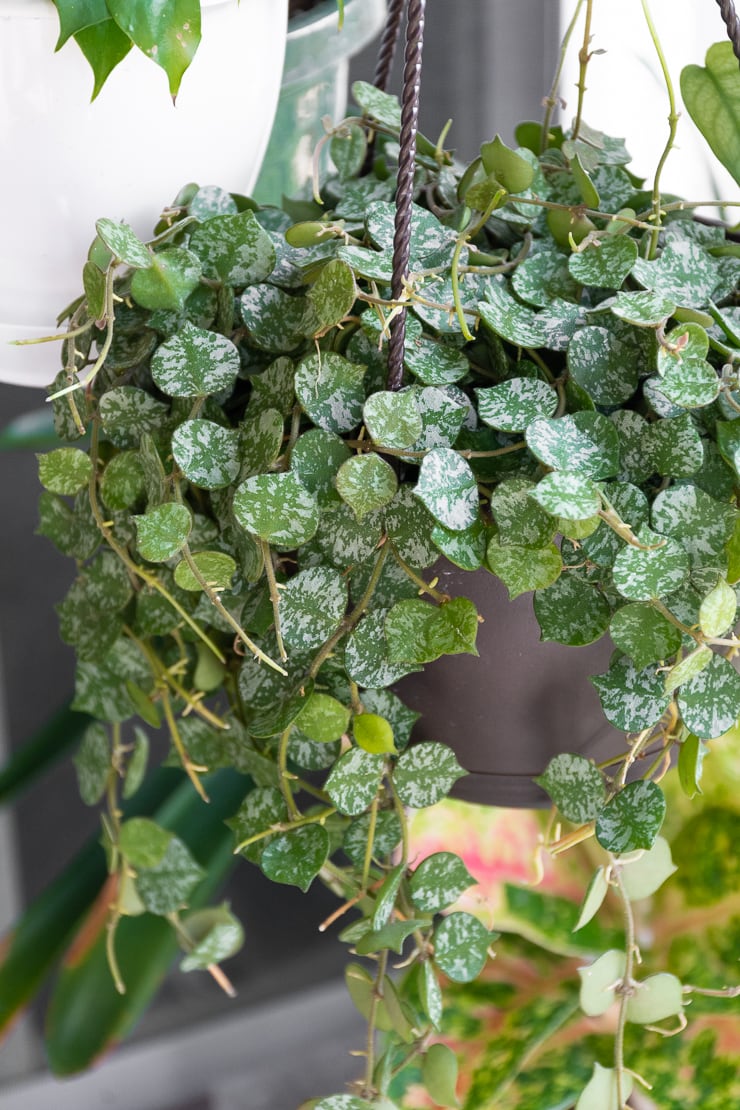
405	184
732	23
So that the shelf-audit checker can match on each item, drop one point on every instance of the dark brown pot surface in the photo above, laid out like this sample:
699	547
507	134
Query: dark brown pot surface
508	712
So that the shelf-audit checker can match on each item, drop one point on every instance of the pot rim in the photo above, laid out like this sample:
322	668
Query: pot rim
44	9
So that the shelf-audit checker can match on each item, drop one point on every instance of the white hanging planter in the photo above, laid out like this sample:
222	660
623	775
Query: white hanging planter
67	162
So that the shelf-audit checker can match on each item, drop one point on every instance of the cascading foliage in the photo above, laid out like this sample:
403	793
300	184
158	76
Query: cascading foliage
256	522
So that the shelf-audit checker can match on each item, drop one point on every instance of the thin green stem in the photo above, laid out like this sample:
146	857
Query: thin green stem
372	1019
274	597
551	101
309	819
352	619
584	56
287	793
627	986
424	587
188	766
373	821
102	356
673	117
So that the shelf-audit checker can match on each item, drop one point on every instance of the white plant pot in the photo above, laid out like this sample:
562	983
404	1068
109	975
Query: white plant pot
67	161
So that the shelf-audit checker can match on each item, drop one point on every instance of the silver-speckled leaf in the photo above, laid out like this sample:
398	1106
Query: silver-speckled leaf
195	363
330	389
234	249
207	454
514	404
448	488
585	442
277	508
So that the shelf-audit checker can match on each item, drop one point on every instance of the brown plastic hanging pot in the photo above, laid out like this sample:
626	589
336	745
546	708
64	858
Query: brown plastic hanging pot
521	702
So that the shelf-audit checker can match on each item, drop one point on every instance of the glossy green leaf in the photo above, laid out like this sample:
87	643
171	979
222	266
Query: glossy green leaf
466	549
711	97
687	667
425	774
632	699
523	569
601	1092
217	934
166	886
216	567
439	1074
641	877
195	363
366	483
675	447
602	364
210	201
701	524
354	781
644	634
162	531
373	734
438	881
632	819
234	249
315	460
461	945
367	658
605	263
599	981
169	281
434	362
571	610
393	419
137	763
514	404
693	384
566	494
263	807
123	243
380	106
512	170
104	46
168	34
275	320
575	785
64	470
593	898
520	519
646	310
347	148
387	836
207	453
277	508
709	703
658	568
296	857
330	389
418	632
323	718
122	482
542	277
690	764
333	294
312	604
143	842
585	442
448	488
409	527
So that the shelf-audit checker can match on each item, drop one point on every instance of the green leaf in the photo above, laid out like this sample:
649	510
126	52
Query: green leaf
641	877
217	935
74	16
712	99
586	442
387	836
425	774
393	419
523	569
418	632
93	281
605	263
333	294
701	524
124	243
675	447
690	764
100	686
658	997
461	945
430	993
330	389
600	362
448	488
520	519
104	46
439	1074
659	569
434	362
466	549
162	531
277	508
645	310
543	277
430	241
438	881
392	936
210	201
166	886
571	610
93	763
65	470
296	857
354	781
373	734
599	980
513	171
386	704
312	604
632	819
687	667
127	413
597	891
366	654
167	284
262	808
632	699
409	527
382	107
143	842
276	320
195	363
316	459
644	634
710	702
575	785
568	495
260	441
234	249
347	148
385	900
169	33
601	1091
137	762
216	567
323	719
366	483
207	454
122	483
514	404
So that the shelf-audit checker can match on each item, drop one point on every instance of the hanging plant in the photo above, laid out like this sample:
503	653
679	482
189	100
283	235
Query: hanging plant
294	418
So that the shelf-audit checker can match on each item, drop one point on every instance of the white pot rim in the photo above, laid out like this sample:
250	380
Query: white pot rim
44	9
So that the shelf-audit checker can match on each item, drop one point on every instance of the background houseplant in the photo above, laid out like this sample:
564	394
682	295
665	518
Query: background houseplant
63	471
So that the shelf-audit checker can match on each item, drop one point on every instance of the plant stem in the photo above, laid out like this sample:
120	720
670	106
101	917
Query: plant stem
371	1021
274	597
551	101
672	125
287	793
189	768
352	619
370	843
424	587
584	57
102	356
627	982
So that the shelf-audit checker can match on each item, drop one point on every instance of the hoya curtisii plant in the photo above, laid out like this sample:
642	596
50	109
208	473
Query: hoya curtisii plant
258	520
106	30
